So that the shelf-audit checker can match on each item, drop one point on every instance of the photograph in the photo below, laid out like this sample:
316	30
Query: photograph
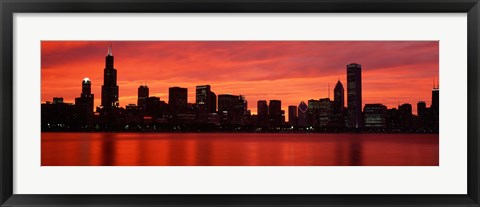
239	103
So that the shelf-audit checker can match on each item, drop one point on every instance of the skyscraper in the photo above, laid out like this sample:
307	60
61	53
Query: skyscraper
143	94
424	115
339	97
435	108
232	108
292	115
275	112
313	112
354	95
325	112
421	109
86	97
84	103
177	100
212	102
405	116
339	105
302	114
228	103
435	99
109	87
375	115
205	99
242	105
86	88
262	111
152	106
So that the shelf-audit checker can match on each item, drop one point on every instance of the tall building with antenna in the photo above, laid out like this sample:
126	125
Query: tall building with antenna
109	87
329	90
435	97
435	107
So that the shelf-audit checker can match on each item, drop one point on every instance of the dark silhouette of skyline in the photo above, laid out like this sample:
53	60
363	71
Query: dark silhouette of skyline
232	113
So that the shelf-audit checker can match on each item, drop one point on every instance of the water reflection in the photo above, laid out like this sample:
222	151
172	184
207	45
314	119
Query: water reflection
356	152
216	149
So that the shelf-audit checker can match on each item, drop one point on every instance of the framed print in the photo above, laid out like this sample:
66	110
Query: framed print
297	118
190	103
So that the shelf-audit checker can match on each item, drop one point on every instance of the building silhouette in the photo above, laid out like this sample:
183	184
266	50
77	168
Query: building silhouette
212	102
58	116
405	117
57	100
435	98
143	94
109	87
227	103
421	109
232	109
243	106
339	97
177	100
205	99
339	105
262	111
292	115
302	114
325	112
275	113
84	103
392	120
435	107
354	95
375	115
154	107
132	118
420	121
313	113
153	114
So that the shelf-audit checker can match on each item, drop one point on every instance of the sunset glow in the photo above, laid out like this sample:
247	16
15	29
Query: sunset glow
393	72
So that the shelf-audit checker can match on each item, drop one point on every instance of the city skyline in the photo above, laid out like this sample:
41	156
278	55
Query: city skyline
260	88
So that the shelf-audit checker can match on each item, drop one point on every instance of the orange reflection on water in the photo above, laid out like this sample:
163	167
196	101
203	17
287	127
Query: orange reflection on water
239	149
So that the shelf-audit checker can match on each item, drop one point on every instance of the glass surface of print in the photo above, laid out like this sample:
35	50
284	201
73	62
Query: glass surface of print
240	103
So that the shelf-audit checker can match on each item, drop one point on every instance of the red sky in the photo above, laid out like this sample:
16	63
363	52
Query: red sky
392	71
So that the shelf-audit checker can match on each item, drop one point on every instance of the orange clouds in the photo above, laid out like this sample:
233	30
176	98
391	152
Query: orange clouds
393	71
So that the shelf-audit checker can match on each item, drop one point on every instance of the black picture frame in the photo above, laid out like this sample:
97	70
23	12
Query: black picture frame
10	7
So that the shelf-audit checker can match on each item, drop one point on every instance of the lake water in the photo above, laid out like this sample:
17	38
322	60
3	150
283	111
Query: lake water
238	149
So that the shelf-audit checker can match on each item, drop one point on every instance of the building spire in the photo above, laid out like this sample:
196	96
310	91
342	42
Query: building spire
110	50
328	90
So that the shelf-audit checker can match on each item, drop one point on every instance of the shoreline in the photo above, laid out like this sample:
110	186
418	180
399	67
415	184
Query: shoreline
235	132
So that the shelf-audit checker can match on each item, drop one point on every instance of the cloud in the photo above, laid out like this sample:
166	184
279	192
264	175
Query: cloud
393	71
